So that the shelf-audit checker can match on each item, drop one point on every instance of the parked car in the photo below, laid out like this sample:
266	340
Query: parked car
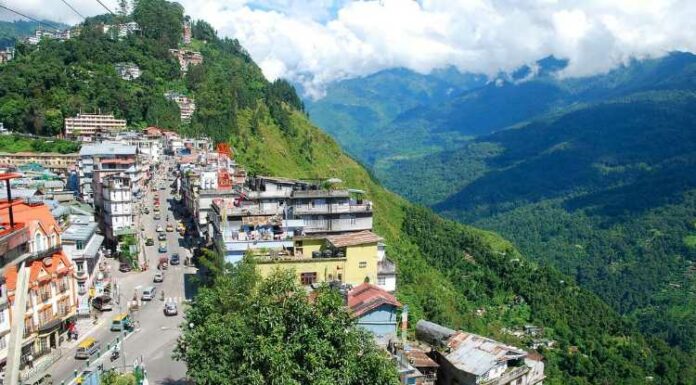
174	260
149	241
170	228
102	303
159	277
160	229
125	267
161	237
162	247
170	308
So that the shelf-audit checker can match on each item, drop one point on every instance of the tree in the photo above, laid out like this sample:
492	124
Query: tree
244	329
160	20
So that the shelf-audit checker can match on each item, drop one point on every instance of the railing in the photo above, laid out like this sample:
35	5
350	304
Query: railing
333	208
507	376
40	254
47	358
338	225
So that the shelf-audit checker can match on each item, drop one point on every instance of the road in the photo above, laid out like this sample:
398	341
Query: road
154	340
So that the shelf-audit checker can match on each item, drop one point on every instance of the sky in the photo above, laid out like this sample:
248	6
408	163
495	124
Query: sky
317	42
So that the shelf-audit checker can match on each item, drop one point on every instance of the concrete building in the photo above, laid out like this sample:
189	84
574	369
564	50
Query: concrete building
186	58
374	310
468	359
386	270
347	258
7	55
106	156
326	210
51	293
114	207
53	161
186	105
90	127
82	245
127	71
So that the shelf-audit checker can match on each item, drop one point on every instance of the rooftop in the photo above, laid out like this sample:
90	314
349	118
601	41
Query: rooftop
367	297
81	229
107	148
354	239
477	355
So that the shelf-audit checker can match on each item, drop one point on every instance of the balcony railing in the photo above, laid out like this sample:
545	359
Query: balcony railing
333	208
40	254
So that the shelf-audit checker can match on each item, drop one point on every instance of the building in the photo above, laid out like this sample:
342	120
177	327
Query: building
114	207
120	31
82	244
468	359
331	210
90	127
127	71
374	310
386	270
7	55
33	236
187	32
347	258
108	157
53	161
40	34
186	58
186	105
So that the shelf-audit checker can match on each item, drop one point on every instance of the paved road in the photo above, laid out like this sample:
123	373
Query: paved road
156	337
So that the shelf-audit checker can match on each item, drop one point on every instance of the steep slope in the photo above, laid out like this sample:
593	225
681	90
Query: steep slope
449	273
605	192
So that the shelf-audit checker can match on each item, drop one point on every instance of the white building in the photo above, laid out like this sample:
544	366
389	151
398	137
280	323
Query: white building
89	127
115	207
81	244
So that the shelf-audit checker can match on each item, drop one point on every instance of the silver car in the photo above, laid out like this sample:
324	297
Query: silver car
170	309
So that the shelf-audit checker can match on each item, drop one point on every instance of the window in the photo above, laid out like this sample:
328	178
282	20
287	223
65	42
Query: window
339	277
381	281
308	278
80	267
362	265
79	245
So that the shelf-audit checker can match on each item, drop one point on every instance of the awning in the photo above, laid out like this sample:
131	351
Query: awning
93	247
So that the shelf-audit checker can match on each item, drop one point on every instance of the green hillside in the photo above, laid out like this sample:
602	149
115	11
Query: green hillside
449	273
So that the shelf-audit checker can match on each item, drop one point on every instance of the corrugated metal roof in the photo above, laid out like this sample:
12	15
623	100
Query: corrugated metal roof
107	148
477	355
353	239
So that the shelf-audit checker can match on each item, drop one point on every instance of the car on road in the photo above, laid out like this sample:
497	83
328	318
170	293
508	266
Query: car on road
148	293
149	241
170	308
125	267
170	228
162	247
102	303
159	277
86	348
146	210
161	237
174	259
160	229
157	217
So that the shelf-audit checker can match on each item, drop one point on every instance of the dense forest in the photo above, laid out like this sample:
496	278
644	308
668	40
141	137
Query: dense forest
448	273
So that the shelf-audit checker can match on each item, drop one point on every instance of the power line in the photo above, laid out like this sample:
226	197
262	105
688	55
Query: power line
30	18
71	7
105	7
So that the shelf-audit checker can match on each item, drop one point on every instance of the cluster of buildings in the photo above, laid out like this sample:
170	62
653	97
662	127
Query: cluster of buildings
92	127
40	34
186	105
186	58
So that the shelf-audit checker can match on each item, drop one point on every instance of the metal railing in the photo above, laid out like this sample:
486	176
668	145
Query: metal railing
333	208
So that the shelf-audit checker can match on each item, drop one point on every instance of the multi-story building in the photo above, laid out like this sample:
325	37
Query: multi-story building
114	207
469	359
107	157
127	71
7	54
328	210
53	161
186	105
187	32
120	31
186	58
90	127
347	258
81	244
50	295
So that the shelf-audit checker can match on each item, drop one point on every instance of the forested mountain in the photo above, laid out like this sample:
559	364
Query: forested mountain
602	189
11	31
449	273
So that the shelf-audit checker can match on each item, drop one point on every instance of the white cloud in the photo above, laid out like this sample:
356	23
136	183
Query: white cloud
316	42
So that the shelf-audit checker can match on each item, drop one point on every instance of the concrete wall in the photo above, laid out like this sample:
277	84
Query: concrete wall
381	322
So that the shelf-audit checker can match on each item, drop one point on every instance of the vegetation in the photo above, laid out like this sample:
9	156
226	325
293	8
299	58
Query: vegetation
253	331
446	272
16	143
11	31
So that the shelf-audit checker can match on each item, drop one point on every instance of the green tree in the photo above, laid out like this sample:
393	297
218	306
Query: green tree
160	20
247	330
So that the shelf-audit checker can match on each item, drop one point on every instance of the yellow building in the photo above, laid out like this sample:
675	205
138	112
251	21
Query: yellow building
350	258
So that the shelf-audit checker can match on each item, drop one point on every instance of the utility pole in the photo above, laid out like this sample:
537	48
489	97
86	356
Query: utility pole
14	345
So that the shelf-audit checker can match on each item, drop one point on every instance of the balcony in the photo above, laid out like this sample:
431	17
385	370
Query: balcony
507	377
333	209
315	226
81	275
48	252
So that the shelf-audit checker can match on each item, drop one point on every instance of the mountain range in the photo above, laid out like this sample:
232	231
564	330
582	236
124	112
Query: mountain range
449	273
592	176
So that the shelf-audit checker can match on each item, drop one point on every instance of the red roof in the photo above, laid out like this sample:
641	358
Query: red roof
367	297
31	215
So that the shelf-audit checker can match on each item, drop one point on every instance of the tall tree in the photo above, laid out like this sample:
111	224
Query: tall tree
247	330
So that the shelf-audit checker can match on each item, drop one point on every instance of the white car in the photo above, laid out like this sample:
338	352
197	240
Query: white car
160	229
159	277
